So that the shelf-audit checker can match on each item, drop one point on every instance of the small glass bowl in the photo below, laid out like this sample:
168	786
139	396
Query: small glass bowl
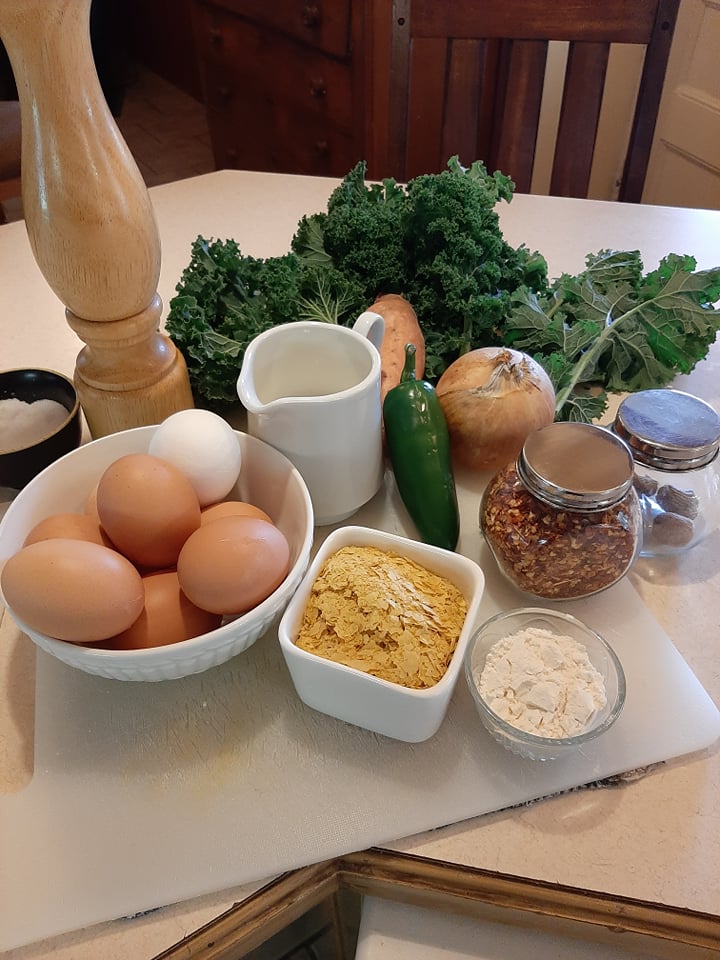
601	655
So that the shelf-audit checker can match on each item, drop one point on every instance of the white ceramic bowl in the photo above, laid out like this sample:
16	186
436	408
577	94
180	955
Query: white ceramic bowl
600	654
267	479
358	697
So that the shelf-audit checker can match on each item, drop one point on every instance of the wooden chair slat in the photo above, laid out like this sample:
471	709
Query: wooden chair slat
582	99
426	101
462	100
648	102
513	151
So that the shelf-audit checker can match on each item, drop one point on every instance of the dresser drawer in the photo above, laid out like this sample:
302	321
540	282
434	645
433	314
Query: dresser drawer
322	24
241	60
245	138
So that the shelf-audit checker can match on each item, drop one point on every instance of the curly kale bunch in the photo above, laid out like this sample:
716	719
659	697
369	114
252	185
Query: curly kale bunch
460	269
437	241
360	234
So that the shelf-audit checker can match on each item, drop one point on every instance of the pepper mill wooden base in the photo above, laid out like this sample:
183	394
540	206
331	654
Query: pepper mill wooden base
129	374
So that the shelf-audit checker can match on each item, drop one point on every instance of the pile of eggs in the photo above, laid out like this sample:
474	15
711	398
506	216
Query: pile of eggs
158	556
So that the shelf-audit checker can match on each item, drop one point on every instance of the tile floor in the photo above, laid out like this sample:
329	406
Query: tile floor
164	128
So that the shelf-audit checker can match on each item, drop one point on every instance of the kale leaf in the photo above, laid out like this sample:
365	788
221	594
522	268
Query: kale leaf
359	234
614	328
224	299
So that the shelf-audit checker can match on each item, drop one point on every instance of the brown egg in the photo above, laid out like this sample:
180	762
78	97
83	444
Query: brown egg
232	564
168	616
73	589
232	508
72	526
148	509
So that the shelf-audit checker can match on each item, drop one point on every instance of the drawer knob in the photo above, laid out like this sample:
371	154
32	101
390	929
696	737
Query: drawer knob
317	88
311	15
322	148
215	37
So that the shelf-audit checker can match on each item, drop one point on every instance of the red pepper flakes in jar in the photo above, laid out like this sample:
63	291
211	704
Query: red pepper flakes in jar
564	520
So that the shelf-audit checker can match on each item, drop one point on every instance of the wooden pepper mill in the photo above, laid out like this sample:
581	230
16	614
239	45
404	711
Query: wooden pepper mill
89	219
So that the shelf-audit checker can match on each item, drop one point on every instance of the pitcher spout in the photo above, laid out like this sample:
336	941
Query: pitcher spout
246	389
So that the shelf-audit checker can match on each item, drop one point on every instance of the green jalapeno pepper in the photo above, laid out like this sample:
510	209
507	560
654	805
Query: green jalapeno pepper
418	443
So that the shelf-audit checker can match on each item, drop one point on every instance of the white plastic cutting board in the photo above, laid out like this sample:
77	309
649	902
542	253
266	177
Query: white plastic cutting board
147	794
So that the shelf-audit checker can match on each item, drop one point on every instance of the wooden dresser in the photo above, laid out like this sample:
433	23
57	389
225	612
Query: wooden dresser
283	83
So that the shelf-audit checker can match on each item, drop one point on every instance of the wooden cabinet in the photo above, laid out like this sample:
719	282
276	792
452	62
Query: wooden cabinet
160	36
283	84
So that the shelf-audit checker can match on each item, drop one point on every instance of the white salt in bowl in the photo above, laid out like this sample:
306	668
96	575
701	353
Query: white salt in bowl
267	479
600	654
358	697
41	437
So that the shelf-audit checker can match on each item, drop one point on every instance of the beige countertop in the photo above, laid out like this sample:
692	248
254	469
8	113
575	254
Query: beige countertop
656	838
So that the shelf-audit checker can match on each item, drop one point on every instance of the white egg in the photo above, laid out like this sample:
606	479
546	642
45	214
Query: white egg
204	447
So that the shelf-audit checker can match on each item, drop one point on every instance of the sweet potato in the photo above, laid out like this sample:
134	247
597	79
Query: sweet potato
401	327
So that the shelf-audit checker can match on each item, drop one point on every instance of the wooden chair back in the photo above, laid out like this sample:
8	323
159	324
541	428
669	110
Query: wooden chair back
466	78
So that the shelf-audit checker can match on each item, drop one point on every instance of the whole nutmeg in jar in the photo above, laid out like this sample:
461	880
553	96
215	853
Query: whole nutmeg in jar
674	438
563	521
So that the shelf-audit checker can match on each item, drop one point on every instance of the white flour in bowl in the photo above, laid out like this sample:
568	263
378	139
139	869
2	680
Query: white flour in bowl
541	683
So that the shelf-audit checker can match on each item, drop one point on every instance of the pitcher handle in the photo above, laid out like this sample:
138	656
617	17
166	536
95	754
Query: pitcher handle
372	326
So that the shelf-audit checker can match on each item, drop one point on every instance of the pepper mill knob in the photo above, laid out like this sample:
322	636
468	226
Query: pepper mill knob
90	220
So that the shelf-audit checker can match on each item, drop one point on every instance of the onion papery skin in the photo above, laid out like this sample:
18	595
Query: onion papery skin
492	398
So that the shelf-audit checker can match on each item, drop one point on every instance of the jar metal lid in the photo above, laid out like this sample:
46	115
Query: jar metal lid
578	466
669	429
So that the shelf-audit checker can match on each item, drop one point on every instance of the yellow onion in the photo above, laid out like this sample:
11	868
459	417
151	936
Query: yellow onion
493	397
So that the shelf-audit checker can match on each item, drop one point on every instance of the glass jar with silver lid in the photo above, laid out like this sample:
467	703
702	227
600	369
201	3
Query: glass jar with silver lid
563	521
674	438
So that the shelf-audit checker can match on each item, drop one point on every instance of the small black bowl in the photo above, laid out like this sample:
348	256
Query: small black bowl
19	465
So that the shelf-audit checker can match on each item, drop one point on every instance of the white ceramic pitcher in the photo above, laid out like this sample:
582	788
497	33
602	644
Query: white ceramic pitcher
312	391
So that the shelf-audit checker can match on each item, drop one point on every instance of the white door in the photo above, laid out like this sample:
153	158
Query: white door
684	168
